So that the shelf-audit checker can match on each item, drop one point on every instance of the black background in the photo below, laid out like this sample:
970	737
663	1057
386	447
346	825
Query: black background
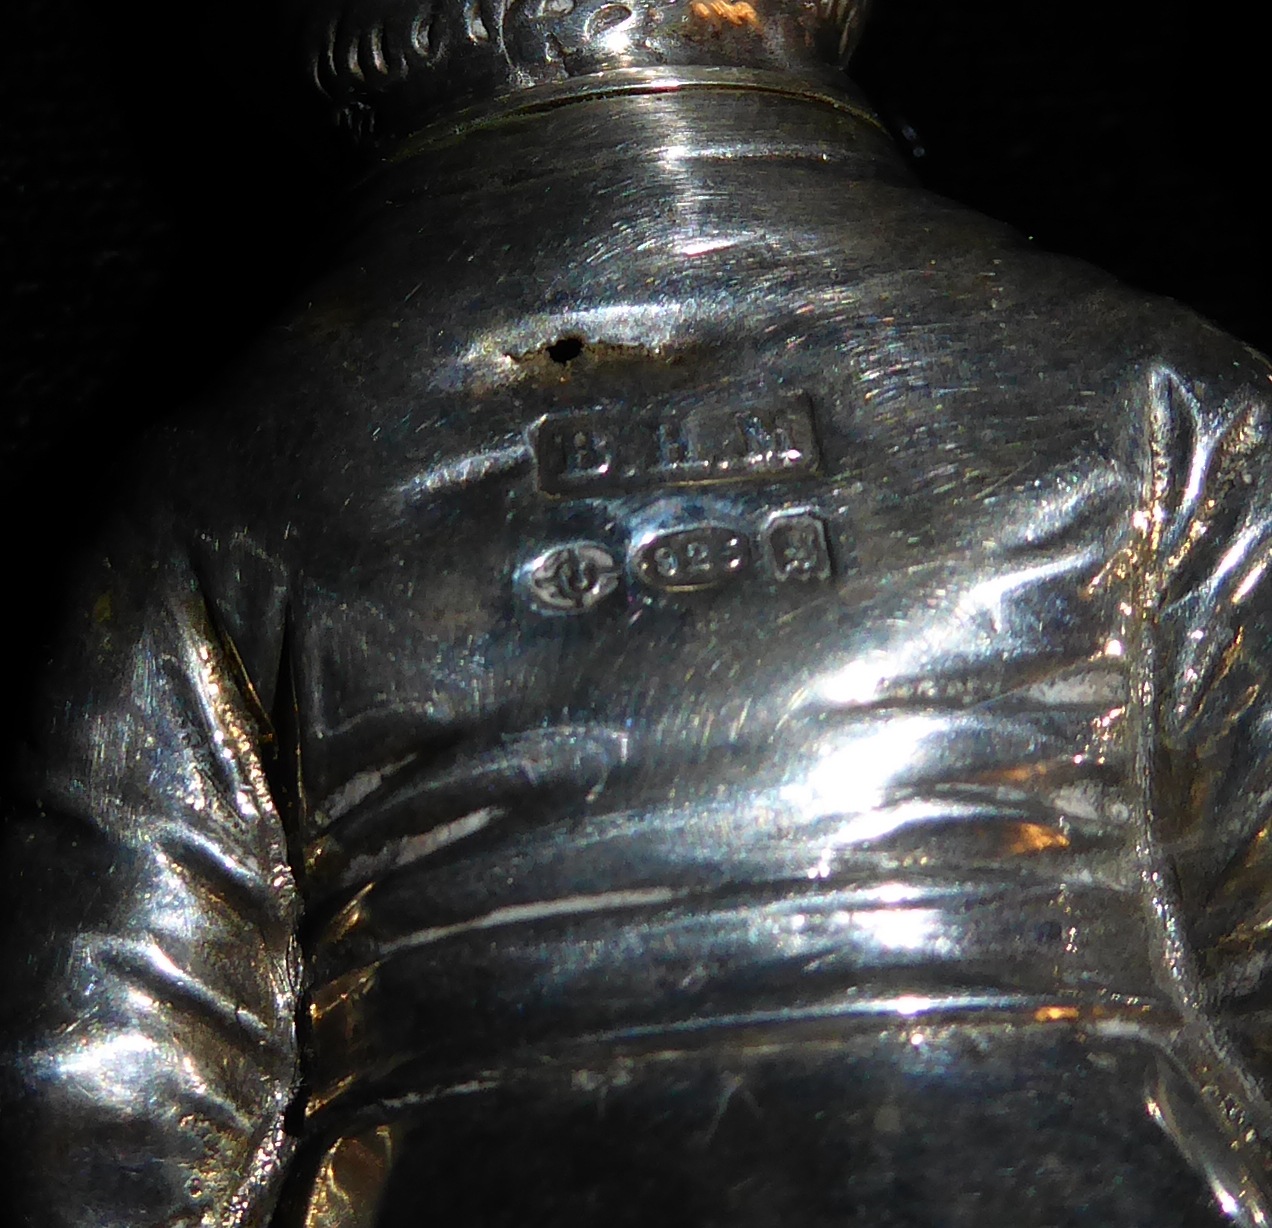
163	187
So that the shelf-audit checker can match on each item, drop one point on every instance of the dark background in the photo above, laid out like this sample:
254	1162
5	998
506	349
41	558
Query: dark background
162	187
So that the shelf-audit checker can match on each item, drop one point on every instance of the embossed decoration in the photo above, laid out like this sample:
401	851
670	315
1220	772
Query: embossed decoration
602	452
938	897
797	548
381	63
571	579
695	558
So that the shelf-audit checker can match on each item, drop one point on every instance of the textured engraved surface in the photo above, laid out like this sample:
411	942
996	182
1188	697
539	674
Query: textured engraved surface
951	862
382	63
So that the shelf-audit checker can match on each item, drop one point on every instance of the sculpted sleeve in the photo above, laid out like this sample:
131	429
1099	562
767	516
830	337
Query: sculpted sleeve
1208	751
152	977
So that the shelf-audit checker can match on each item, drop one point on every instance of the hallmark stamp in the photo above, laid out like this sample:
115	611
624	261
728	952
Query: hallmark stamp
796	547
571	579
606	451
787	547
688	559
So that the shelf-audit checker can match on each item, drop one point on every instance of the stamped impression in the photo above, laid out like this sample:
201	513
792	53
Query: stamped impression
571	579
796	547
694	558
602	452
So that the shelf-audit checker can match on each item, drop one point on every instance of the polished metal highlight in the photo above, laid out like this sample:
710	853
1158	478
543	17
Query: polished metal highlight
757	676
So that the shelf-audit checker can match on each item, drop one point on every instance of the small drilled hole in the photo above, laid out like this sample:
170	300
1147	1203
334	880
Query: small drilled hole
565	350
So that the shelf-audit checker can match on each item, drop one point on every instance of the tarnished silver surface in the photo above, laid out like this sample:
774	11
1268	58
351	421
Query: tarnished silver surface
710	630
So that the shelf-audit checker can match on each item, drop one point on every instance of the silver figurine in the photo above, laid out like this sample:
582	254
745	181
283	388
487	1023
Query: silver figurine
690	681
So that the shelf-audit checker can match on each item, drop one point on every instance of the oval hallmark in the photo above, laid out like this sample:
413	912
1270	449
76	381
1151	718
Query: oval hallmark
701	557
571	578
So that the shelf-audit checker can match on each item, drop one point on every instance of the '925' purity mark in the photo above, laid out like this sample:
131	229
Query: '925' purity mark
701	557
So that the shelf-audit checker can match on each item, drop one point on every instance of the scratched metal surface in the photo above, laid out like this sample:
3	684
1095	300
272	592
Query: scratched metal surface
704	628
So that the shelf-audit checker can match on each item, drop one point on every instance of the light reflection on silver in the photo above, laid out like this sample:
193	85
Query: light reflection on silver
854	778
1011	766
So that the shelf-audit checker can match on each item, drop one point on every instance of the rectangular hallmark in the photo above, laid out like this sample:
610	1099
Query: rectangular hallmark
606	451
